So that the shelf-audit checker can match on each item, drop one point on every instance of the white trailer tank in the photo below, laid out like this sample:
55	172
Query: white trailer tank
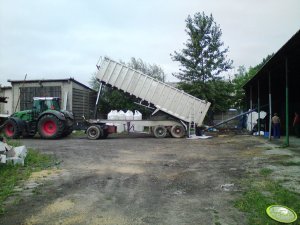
164	97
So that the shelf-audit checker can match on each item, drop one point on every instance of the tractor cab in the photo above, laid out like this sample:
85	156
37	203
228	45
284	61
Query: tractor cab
41	104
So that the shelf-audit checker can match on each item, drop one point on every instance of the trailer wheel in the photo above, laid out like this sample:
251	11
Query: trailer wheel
11	129
94	132
160	131
177	131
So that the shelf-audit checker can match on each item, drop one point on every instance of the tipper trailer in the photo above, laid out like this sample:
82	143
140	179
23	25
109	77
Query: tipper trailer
174	110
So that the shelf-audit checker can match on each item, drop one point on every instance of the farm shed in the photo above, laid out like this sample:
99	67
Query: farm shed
75	96
276	86
6	95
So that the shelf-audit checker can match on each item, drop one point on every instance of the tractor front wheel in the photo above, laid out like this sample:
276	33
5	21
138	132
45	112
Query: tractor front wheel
50	127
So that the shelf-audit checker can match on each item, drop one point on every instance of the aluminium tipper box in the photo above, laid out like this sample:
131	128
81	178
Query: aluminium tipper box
165	97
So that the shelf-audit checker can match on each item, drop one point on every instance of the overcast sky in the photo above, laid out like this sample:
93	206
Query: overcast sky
53	39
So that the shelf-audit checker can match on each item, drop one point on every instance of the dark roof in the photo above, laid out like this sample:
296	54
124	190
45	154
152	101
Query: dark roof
5	87
51	80
291	49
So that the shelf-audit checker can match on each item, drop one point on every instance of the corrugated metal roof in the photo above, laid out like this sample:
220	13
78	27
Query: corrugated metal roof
290	48
51	80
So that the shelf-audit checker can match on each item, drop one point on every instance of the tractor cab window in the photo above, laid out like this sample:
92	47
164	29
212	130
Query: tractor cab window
53	104
40	105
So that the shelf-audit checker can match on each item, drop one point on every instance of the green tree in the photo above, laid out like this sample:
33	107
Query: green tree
203	57
241	78
152	70
203	60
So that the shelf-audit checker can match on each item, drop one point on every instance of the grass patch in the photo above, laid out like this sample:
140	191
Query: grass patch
11	176
78	133
265	172
260	194
290	163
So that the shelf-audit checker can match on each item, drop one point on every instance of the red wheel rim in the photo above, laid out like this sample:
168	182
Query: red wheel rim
49	127
9	130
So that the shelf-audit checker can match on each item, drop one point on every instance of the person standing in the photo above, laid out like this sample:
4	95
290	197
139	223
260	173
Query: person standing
296	124
276	126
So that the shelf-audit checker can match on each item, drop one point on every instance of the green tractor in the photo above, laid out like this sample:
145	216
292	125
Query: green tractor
45	117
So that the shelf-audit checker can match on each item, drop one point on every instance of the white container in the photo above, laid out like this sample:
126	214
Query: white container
138	116
120	116
109	115
129	115
112	115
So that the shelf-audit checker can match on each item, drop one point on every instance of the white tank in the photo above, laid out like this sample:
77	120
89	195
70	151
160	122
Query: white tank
120	116
112	115
138	116
129	115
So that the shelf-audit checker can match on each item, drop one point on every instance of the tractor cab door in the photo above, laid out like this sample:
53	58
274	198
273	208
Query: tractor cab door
39	106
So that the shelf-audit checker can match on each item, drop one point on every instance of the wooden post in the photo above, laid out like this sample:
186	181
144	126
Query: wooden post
258	109
270	107
287	140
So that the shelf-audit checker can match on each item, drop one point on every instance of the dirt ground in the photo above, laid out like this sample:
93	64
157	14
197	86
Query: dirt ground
137	180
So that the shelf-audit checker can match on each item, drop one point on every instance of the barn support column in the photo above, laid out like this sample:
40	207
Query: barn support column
258	109
287	140
270	107
251	107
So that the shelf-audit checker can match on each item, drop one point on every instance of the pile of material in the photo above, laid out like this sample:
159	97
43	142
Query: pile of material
10	154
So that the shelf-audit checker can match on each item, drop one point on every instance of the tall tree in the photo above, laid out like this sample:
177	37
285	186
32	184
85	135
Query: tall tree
203	57
203	60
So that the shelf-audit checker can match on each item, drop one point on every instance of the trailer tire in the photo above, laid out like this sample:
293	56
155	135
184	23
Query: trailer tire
160	131
94	132
177	131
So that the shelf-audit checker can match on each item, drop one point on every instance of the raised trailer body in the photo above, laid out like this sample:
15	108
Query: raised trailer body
184	109
164	97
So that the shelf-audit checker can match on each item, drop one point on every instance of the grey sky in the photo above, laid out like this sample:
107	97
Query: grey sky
64	38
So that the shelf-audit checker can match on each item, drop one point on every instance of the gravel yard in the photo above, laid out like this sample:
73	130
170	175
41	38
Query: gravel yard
136	179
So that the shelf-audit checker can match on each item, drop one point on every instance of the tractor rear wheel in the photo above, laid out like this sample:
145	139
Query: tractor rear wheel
11	129
68	127
50	127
